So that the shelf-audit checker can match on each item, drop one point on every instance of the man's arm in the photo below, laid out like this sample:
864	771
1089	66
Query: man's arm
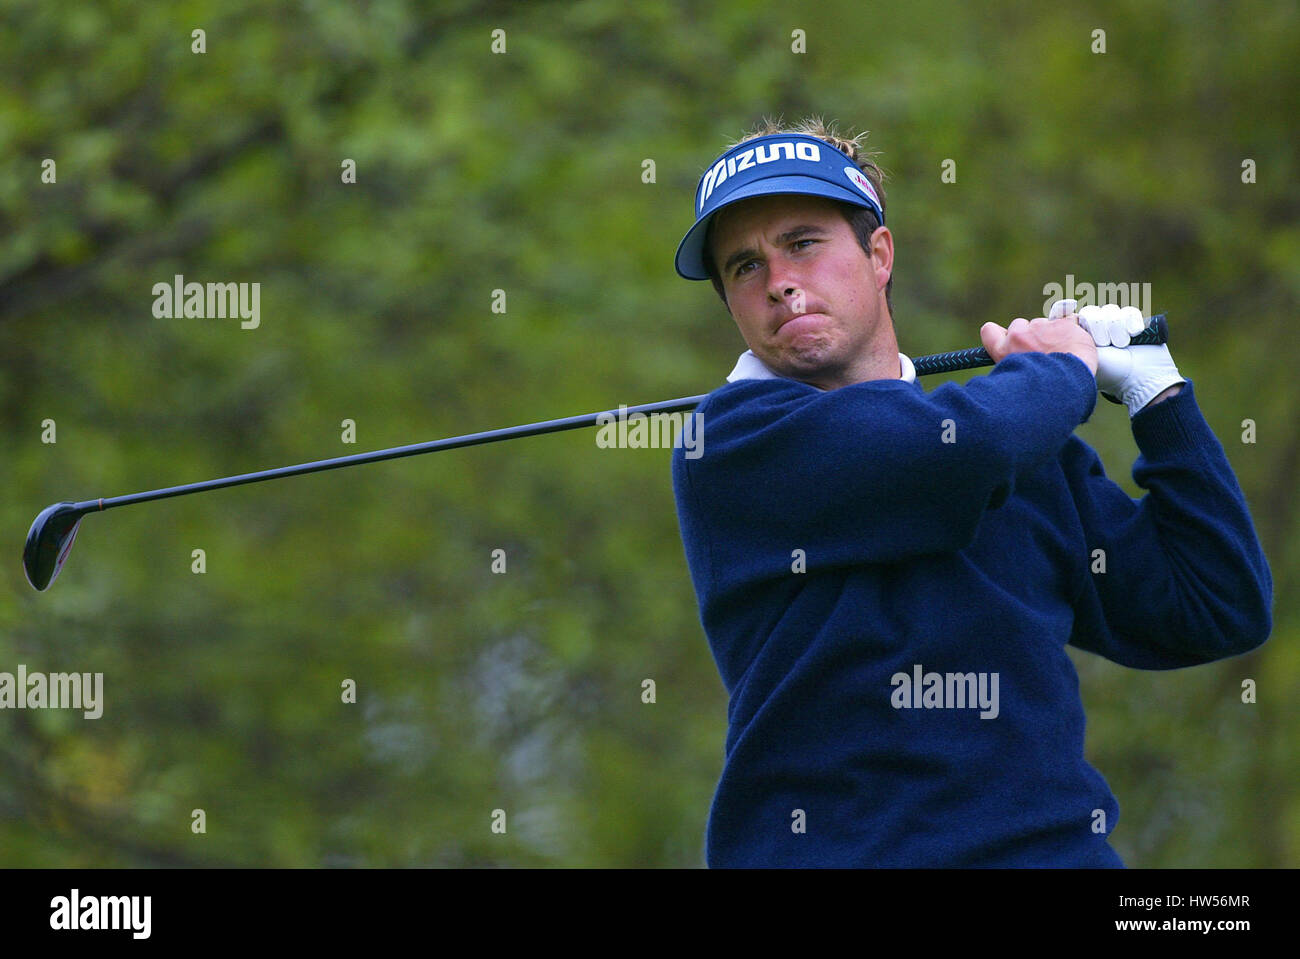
874	472
1185	580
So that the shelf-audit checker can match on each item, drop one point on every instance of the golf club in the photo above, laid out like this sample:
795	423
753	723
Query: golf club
52	533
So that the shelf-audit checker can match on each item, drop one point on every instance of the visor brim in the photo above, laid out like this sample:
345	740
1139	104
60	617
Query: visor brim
690	252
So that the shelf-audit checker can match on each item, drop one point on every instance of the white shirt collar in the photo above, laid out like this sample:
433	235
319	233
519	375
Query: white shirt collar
750	367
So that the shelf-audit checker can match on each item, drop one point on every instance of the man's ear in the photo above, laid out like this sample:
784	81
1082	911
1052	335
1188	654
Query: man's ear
882	251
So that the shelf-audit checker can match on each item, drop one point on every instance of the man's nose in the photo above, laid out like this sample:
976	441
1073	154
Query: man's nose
782	282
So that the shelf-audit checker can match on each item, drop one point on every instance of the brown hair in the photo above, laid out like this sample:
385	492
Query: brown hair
862	220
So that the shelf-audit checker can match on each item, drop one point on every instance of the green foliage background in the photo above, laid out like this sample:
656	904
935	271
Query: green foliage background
523	172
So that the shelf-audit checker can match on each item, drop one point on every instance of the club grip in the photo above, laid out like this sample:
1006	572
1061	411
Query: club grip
1156	332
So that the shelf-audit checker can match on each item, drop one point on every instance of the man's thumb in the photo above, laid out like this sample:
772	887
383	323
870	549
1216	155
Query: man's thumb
990	335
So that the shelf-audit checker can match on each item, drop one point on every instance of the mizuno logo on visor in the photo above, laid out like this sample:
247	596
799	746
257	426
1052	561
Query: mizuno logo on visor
747	159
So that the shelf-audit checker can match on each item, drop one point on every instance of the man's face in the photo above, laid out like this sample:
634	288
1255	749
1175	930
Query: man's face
808	301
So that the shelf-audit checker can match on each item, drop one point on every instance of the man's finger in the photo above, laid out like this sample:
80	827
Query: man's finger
1062	308
1133	321
1092	319
1115	327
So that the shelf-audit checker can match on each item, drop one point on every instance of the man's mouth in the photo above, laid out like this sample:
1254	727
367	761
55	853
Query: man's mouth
800	322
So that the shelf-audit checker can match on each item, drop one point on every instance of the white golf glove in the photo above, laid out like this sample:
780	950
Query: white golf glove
1132	375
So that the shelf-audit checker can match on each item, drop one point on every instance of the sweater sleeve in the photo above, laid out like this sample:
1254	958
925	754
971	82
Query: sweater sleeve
1185	580
874	472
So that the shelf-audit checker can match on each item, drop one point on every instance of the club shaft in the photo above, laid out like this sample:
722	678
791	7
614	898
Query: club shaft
415	449
1156	332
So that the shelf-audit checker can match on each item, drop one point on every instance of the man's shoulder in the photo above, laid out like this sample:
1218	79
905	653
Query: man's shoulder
782	416
752	400
729	418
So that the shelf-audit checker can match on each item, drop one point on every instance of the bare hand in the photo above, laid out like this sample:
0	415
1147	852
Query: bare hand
1041	335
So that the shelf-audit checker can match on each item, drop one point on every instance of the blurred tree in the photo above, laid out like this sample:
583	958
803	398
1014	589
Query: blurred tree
522	171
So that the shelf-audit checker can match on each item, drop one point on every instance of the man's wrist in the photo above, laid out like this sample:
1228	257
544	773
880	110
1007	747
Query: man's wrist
1164	395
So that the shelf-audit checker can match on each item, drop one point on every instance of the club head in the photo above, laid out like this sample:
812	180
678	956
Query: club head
48	543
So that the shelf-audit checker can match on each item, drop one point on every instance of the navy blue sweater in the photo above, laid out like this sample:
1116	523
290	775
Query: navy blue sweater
842	540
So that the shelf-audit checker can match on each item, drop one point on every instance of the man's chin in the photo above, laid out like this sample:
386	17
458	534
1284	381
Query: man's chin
800	365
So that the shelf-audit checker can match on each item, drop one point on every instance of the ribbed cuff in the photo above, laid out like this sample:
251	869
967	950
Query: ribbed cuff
1175	425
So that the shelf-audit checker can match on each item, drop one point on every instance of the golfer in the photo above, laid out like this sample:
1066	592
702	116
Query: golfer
888	577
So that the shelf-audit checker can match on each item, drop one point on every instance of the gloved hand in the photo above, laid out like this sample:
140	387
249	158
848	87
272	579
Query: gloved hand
1132	375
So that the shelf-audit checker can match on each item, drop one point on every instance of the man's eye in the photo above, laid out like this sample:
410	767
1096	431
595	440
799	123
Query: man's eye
744	267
